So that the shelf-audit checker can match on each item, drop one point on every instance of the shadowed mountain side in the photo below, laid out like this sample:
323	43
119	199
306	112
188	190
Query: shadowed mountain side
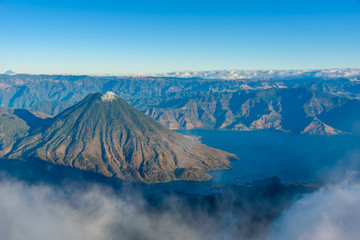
35	171
346	117
33	119
104	134
16	123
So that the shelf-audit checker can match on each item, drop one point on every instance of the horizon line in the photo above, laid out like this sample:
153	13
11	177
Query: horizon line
157	74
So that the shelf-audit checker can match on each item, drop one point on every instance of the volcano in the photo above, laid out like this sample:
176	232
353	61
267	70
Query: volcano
104	134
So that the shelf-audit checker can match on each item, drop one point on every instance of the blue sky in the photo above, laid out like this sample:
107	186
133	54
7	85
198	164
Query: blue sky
124	37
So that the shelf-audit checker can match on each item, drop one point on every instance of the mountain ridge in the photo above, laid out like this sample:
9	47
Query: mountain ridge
291	110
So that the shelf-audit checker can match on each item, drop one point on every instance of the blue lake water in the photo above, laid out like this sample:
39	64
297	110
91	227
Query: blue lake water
264	154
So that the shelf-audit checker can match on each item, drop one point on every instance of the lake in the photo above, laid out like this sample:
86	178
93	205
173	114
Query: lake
264	154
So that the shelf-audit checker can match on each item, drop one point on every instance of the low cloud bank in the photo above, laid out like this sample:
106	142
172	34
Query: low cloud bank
45	212
332	213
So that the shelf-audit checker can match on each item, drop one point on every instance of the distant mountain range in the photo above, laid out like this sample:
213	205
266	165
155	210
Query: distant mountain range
334	73
298	110
323	105
267	74
104	134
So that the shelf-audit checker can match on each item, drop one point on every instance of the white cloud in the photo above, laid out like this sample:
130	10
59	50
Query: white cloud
266	74
46	212
333	213
108	97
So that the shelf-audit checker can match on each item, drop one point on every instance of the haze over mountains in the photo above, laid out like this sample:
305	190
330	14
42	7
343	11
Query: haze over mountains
319	97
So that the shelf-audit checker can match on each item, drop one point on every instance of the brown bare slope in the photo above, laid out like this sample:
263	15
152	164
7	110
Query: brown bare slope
104	134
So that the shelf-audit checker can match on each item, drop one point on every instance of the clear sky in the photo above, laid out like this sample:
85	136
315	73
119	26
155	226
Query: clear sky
122	37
